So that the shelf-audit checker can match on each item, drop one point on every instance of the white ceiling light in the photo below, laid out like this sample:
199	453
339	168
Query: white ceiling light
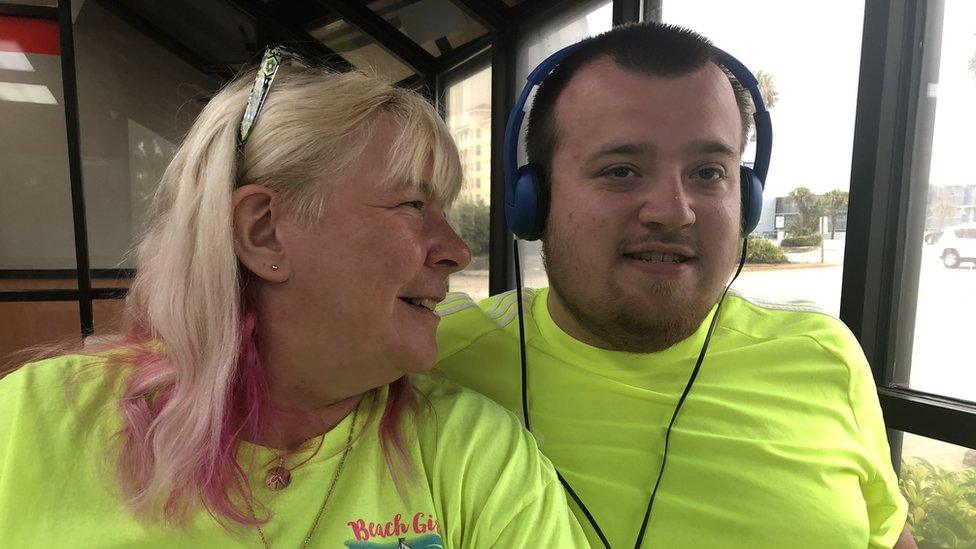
15	61
26	93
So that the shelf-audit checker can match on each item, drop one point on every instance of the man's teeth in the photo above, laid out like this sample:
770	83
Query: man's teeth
659	257
425	303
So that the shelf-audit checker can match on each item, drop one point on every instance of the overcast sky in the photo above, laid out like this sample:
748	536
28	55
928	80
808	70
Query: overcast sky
812	50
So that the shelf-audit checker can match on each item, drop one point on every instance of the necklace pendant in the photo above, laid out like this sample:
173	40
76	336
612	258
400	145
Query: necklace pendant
278	478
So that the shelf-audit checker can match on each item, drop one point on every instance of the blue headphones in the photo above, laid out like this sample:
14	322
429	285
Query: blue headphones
527	200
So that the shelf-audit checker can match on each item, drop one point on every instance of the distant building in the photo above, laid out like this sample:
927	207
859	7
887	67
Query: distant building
786	208
949	205
472	133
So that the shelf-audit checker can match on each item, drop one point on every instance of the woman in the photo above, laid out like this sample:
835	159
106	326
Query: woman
262	391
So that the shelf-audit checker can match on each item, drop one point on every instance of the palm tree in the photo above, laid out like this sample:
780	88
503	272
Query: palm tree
767	88
943	210
807	208
831	203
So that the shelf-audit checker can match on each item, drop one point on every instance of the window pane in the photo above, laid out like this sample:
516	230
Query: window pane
437	25
134	109
935	358
469	119
29	323
107	314
37	245
538	40
939	481
813	125
361	50
49	3
112	278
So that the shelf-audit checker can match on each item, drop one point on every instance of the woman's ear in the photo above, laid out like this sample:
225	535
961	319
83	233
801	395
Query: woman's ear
256	211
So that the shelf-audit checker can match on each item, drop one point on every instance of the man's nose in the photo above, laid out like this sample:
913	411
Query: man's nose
665	203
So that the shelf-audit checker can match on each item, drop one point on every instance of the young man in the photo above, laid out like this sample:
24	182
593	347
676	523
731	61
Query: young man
780	442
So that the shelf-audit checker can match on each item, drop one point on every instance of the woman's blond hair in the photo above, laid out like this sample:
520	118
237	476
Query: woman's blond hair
195	386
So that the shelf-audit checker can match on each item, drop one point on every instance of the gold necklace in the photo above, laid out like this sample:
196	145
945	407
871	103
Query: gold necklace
328	495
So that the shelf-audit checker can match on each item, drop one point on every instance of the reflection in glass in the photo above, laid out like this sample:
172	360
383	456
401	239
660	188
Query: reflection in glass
469	120
134	109
437	25
537	41
797	252
937	358
361	50
37	248
107	315
48	3
29	323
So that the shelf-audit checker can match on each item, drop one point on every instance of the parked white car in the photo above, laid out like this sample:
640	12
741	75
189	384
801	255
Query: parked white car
958	245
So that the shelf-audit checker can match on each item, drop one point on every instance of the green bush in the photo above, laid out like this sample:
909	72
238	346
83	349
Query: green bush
470	220
801	240
764	251
941	504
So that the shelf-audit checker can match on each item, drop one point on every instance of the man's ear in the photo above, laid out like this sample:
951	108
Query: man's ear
257	212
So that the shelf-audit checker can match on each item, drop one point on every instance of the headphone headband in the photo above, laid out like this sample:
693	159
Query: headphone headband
514	125
764	126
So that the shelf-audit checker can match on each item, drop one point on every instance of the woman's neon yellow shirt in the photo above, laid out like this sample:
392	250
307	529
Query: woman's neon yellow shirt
480	480
780	444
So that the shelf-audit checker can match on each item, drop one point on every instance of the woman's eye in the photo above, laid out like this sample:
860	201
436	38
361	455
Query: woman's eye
619	172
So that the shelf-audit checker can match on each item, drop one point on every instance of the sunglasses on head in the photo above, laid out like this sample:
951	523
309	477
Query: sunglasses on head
274	56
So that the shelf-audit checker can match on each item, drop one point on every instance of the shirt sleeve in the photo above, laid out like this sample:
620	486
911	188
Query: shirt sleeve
886	506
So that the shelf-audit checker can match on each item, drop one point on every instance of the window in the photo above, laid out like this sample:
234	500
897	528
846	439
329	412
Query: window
437	25
361	50
468	104
539	39
28	323
37	247
126	144
813	125
935	354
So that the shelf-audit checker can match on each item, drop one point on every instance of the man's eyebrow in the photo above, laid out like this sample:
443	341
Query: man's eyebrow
630	148
710	146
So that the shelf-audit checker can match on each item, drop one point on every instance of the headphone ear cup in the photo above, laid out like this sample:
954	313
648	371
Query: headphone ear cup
527	217
751	191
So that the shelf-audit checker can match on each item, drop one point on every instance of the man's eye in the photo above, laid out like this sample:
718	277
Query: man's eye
619	172
709	174
417	204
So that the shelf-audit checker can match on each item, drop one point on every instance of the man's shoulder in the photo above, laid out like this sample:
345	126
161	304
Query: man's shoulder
465	321
458	405
462	414
803	322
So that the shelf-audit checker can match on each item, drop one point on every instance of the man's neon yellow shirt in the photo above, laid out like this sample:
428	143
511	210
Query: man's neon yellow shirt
479	478
780	443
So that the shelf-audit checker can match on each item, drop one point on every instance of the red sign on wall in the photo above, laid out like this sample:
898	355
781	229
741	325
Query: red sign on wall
29	35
